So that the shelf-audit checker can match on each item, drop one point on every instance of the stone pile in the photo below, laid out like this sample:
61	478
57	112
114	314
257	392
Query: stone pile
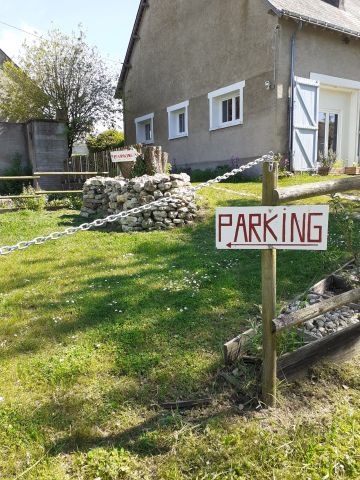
329	322
106	196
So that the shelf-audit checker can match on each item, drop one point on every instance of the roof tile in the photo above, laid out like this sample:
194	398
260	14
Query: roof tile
346	19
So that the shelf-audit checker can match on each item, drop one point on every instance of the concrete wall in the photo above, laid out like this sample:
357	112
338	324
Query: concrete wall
47	150
186	50
318	51
13	142
42	144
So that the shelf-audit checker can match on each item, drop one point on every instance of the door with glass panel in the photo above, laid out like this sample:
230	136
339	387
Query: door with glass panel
329	132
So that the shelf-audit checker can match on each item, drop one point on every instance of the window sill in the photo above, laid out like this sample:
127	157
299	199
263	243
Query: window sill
181	135
226	125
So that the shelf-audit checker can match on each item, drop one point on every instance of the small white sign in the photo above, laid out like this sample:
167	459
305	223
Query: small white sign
302	227
121	156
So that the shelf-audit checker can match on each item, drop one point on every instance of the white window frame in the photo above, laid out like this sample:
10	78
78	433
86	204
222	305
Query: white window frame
215	105
173	120
140	123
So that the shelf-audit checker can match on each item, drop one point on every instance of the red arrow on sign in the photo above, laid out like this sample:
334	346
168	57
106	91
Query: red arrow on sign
231	245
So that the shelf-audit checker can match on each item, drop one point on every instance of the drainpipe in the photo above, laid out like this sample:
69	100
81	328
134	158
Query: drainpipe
292	84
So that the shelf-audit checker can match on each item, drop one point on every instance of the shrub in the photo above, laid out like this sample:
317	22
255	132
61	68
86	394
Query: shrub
139	167
35	203
329	160
16	169
284	164
347	228
72	201
108	140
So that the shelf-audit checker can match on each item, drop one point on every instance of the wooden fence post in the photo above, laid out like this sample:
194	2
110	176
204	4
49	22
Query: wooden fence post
268	273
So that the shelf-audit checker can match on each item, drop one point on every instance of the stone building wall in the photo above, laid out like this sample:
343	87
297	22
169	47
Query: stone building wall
106	196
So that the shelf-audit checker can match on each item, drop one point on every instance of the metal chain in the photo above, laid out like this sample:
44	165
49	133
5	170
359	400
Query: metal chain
6	250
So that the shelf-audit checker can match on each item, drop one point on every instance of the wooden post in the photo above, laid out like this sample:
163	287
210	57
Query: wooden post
268	268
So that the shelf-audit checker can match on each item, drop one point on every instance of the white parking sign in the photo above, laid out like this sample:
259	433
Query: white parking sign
302	227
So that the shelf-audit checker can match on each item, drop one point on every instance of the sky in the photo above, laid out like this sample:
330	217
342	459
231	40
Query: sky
108	23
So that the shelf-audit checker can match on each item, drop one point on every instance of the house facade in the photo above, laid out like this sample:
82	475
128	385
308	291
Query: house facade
220	83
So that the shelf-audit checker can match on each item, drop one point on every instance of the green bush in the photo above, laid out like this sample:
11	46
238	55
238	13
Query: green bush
139	167
36	203
72	201
13	187
105	141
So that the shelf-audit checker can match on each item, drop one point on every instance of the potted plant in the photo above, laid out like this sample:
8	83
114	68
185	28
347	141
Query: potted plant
354	170
326	162
338	168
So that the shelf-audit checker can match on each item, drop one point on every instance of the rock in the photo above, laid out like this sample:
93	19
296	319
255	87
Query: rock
138	187
150	187
330	325
176	184
122	198
147	223
130	221
158	194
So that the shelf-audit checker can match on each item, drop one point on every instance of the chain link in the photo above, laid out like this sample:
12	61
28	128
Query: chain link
6	250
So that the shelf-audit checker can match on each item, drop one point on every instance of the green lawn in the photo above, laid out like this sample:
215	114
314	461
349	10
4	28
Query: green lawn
99	328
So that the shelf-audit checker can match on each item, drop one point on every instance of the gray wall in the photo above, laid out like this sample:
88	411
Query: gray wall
12	142
317	50
42	144
189	48
47	150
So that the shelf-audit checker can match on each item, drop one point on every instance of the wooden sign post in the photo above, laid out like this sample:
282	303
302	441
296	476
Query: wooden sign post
268	279
269	228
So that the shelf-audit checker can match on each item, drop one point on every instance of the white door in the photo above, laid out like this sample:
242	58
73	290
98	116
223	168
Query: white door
305	124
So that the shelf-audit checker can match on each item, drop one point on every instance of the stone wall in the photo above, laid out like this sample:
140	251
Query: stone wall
105	196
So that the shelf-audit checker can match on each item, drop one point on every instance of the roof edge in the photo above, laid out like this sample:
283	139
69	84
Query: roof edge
144	4
280	12
312	21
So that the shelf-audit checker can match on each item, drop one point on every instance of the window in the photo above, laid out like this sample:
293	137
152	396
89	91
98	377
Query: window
148	133
328	132
145	129
231	109
182	122
226	106
178	120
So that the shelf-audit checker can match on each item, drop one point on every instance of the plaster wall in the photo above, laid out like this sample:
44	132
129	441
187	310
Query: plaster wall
323	52
188	49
